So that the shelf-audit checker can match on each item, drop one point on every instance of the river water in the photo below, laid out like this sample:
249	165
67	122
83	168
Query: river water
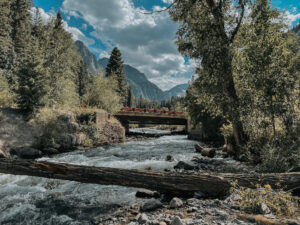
32	200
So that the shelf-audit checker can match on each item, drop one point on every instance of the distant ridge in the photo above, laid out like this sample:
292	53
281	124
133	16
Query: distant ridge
141	86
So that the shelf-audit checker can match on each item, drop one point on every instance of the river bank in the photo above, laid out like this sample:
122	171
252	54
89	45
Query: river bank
51	132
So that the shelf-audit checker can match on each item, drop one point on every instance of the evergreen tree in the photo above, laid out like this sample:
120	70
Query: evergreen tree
115	69
33	80
62	60
83	78
5	31
130	98
21	28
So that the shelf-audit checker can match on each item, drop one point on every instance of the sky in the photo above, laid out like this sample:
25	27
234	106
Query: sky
146	41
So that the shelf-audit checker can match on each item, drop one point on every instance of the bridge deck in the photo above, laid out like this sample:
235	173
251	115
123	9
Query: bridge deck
151	118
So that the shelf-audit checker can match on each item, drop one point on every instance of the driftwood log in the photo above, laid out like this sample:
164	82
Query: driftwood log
175	184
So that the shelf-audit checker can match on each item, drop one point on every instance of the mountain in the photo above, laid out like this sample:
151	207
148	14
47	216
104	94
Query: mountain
141	86
89	58
178	91
296	29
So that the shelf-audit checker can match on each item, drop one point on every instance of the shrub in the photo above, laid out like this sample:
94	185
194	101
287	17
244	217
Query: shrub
253	200
280	155
102	94
6	96
47	124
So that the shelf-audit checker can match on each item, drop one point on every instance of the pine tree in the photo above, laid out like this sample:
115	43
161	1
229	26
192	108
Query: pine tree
130	98
33	80
21	25
115	69
63	60
5	30
83	79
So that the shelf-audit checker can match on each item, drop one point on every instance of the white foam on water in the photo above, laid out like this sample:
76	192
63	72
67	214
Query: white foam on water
20	194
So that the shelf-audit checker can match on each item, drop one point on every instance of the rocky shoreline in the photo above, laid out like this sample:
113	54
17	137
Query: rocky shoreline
191	211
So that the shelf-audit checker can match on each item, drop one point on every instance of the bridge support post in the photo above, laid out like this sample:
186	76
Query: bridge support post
187	126
126	126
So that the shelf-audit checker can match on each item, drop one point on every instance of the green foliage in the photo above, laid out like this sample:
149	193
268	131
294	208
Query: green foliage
46	122
265	71
115	69
202	118
102	93
5	30
252	200
33	80
6	95
62	59
280	154
130	98
206	34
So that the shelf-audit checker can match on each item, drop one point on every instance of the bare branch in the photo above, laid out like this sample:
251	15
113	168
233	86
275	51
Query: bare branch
242	3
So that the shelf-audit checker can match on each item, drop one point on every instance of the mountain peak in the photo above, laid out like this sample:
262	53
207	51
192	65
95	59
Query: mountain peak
141	86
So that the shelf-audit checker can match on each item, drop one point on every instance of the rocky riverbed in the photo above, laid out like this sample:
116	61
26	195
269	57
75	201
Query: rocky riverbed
191	211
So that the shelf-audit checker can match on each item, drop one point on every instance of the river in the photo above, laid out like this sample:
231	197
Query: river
32	200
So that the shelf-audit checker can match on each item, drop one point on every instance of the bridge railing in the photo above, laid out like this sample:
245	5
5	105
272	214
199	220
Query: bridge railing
151	111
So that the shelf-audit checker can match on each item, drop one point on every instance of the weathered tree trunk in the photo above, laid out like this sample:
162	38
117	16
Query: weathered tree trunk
170	183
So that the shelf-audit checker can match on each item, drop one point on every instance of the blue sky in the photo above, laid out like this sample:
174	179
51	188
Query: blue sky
146	41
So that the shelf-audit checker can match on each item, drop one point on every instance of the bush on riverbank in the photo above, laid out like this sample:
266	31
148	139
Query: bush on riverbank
264	200
6	95
68	129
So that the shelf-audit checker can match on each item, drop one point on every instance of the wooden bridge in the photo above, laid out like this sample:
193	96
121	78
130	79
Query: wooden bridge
150	116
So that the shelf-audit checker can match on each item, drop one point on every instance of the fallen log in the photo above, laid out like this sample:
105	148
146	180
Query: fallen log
175	184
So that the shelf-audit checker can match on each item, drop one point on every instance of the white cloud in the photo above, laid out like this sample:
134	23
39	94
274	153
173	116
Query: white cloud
46	17
76	33
167	1
146	41
290	17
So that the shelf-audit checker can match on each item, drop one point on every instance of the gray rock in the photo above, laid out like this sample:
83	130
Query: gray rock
251	219
67	142
169	158
185	166
265	209
222	214
292	223
176	203
66	118
26	153
176	221
142	218
143	193
151	205
235	207
50	151
162	223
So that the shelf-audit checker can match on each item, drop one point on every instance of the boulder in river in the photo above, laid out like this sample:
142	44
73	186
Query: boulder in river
26	153
169	158
151	205
144	193
185	166
208	152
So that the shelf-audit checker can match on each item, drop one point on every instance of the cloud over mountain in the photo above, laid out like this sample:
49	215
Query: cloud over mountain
146	41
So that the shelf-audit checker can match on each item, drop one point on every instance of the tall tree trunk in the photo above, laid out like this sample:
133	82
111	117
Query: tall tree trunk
234	103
